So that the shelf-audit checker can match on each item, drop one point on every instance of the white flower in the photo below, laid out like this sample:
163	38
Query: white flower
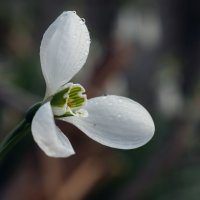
113	121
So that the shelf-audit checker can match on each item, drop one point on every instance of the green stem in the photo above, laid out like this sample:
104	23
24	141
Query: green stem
13	138
23	128
18	128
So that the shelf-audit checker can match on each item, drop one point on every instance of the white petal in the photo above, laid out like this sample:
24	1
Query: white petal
64	50
48	136
116	122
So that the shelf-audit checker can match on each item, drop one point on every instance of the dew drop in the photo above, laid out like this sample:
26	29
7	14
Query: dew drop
119	116
120	101
82	21
88	41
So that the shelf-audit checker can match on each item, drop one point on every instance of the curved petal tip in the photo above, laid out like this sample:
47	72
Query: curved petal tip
48	136
64	50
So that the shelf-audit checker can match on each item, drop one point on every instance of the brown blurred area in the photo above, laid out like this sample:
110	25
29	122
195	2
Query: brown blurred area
145	50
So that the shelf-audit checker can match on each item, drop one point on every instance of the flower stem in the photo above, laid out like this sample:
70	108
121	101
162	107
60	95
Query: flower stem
14	137
23	128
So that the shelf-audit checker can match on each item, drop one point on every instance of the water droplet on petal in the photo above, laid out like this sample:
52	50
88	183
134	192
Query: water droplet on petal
88	41
82	21
119	116
120	101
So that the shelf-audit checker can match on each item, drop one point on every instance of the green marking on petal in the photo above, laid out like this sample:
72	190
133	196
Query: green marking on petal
76	97
67	114
69	101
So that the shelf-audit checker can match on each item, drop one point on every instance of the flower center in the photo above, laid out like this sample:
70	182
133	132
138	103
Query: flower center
69	101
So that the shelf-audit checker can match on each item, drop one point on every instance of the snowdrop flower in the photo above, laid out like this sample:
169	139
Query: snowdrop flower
113	121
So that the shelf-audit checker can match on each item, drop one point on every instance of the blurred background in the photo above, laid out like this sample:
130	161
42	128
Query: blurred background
145	50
